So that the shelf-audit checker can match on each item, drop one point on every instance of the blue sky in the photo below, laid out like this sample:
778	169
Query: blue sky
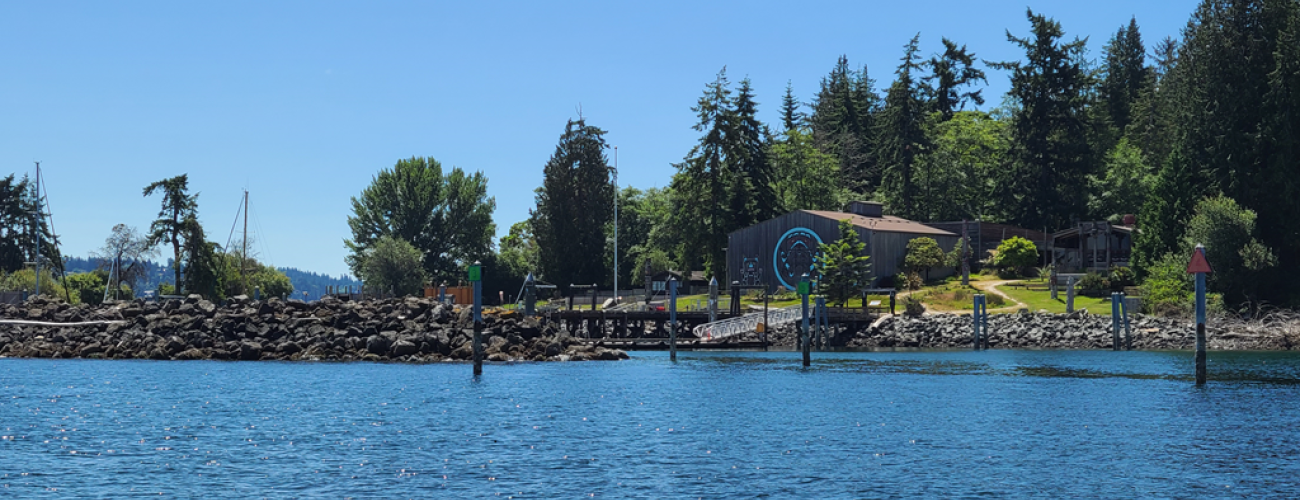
302	103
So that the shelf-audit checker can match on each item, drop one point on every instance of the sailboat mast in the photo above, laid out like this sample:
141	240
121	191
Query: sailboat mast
243	257
38	228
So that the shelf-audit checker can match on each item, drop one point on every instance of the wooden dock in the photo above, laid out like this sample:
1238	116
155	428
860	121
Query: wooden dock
654	344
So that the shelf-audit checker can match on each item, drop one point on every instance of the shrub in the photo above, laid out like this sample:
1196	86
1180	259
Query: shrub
1167	290
1008	273
995	300
914	281
922	254
1228	231
1121	277
912	306
1094	285
1016	252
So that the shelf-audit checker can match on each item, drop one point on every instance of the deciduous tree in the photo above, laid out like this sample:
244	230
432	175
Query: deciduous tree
393	265
124	257
447	217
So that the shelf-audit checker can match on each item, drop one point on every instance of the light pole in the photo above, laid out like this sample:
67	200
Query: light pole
615	224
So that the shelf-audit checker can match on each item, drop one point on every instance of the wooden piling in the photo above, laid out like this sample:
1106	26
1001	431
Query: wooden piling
1200	266
475	276
1114	321
805	345
672	318
1069	295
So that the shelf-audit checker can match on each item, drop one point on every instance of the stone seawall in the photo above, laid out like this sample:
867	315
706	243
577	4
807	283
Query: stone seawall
409	330
1054	331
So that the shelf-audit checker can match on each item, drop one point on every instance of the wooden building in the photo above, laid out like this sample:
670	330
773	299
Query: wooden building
986	236
1092	246
777	252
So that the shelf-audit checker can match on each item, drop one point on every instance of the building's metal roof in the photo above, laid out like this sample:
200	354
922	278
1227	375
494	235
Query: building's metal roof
886	224
1074	231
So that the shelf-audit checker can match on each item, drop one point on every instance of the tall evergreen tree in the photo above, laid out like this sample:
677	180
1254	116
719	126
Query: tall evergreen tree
1151	124
573	206
747	151
901	135
1050	153
791	117
1165	212
179	208
1231	48
843	123
951	71
202	261
1125	76
1281	146
725	182
19	229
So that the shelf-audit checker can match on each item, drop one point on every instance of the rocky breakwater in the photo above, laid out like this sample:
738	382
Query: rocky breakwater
1052	331
409	330
1062	331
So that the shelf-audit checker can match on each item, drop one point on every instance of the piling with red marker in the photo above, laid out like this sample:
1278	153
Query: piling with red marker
1200	266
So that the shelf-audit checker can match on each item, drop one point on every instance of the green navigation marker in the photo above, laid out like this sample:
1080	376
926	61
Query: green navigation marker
476	273
801	288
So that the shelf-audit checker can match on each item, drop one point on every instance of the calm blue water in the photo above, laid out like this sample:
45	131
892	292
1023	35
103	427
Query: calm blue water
924	424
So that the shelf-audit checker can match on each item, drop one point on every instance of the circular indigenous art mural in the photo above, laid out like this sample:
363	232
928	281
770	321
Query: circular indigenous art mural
795	255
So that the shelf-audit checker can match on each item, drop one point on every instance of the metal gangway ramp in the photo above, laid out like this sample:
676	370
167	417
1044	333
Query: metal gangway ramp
730	327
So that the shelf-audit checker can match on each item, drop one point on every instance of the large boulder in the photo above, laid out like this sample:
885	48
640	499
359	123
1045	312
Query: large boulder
377	345
404	348
250	351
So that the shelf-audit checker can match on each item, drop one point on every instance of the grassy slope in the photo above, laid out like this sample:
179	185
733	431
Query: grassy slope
1037	300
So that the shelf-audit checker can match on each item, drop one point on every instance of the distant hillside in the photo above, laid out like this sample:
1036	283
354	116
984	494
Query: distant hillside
154	275
314	284
303	281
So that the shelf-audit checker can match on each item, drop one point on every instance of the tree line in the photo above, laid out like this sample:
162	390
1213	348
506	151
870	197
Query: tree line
1197	136
123	266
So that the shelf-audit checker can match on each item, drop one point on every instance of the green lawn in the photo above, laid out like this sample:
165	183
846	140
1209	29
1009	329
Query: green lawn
1037	300
954	297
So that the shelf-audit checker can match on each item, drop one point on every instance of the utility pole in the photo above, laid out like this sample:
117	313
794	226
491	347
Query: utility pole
616	225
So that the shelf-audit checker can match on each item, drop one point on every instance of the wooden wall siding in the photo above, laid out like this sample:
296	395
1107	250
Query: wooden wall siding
889	249
758	242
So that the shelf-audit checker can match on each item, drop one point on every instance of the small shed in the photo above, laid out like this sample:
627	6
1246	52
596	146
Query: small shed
659	281
777	252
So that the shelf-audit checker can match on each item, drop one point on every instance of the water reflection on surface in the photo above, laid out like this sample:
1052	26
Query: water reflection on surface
949	423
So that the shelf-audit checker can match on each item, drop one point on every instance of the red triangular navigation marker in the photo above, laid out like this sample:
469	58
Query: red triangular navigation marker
1198	263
